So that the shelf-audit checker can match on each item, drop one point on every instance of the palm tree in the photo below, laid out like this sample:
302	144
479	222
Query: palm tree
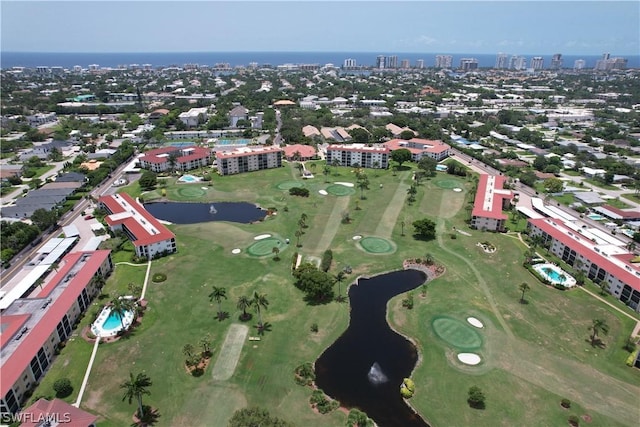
335	163
218	294
524	287
428	259
187	350
312	166
599	326
562	278
298	233
205	344
244	303
120	306
326	170
303	217
631	246
363	184
275	252
135	388
259	300
339	278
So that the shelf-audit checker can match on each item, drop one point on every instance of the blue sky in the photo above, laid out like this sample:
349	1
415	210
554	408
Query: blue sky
516	27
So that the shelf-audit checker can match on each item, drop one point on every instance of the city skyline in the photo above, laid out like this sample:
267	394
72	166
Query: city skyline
569	27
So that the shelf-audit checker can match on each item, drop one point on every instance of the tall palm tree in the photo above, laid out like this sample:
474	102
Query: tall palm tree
218	294
326	170
598	326
339	278
363	184
259	300
120	306
275	251
524	287
298	233
135	388
244	303
402	225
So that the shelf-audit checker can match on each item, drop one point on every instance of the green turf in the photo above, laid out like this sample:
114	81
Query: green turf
376	245
456	333
265	247
340	190
286	185
448	183
191	191
533	354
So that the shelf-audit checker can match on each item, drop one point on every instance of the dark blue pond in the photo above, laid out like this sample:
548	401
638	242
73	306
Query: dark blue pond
366	365
192	213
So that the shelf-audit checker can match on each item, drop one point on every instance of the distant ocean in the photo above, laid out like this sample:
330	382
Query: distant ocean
68	60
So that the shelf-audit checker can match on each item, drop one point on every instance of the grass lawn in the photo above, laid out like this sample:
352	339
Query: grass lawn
571	172
532	354
632	196
617	203
601	184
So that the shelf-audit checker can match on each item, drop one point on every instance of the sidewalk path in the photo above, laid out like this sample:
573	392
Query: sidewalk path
86	374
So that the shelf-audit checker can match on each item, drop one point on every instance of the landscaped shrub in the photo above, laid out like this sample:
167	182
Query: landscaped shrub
320	401
632	358
574	420
158	277
476	398
304	374
565	403
299	191
62	387
327	258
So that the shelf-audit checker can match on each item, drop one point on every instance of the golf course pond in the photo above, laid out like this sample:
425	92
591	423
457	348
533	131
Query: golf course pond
366	365
192	213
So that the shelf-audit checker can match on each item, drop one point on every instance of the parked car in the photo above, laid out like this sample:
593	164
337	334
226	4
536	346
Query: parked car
88	217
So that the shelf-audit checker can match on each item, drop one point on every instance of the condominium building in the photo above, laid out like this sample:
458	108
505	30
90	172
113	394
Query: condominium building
404	64
579	64
349	63
248	159
491	199
468	64
358	154
537	63
517	62
149	237
183	158
444	61
194	116
607	63
33	327
420	148
392	61
597	254
501	61
420	63
381	61
556	61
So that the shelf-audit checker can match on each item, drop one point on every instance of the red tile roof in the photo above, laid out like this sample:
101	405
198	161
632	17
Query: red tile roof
585	248
418	145
142	236
34	339
623	214
304	150
57	410
484	190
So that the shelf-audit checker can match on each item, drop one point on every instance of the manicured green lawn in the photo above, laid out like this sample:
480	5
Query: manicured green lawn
532	354
601	184
617	203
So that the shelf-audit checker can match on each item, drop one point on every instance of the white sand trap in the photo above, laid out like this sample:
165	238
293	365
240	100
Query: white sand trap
346	184
357	237
323	192
262	236
235	251
475	322
204	188
230	352
457	190
469	358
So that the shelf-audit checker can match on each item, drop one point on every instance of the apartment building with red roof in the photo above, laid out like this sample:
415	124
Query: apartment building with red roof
420	148
32	328
183	158
599	259
150	238
248	159
365	156
491	199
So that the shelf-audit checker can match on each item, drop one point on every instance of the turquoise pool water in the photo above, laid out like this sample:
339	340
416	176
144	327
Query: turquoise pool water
112	322
181	144
441	168
188	178
555	275
595	217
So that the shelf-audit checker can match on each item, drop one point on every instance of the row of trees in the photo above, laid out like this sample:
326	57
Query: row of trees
258	301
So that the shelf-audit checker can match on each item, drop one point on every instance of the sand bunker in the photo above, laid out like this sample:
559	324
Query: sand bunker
469	358
457	190
323	192
346	184
262	236
236	251
204	188
475	322
357	237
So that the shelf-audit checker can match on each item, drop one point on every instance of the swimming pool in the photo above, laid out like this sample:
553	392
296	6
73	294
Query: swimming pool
189	178
595	217
442	168
555	275
180	144
108	323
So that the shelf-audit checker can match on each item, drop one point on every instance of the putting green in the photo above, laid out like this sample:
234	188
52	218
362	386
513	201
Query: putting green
340	190
456	333
287	185
191	191
448	183
265	247
377	245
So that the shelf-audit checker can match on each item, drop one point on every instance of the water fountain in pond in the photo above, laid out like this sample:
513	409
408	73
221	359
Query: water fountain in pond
375	375
212	210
